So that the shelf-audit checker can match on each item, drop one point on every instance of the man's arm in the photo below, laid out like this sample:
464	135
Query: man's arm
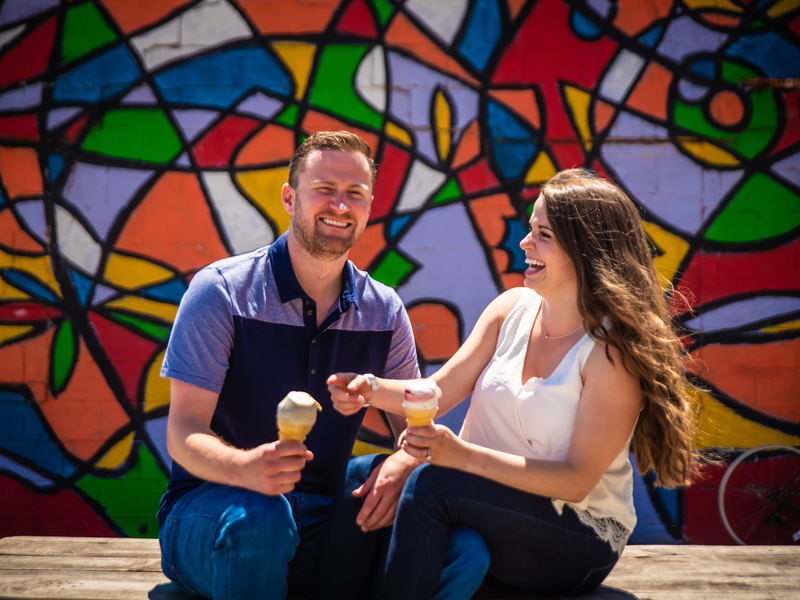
269	469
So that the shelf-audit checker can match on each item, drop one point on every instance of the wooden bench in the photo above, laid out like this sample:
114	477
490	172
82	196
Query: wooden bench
111	569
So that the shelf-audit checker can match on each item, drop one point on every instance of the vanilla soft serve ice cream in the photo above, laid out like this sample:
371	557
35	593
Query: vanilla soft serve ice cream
297	413
420	402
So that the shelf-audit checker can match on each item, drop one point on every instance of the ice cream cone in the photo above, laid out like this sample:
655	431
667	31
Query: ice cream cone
297	413
420	403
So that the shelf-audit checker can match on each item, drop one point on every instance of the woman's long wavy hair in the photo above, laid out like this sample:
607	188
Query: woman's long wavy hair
599	228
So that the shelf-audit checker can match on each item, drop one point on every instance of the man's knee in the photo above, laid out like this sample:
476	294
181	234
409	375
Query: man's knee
254	519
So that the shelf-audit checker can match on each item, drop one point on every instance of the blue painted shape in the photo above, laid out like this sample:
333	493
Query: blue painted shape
83	287
2	200
55	163
669	502
172	291
512	142
515	231
772	54
397	225
653	36
220	80
704	67
482	34
23	433
649	527
584	28
99	79
28	285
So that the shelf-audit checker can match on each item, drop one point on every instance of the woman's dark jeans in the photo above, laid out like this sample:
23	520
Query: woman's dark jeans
530	545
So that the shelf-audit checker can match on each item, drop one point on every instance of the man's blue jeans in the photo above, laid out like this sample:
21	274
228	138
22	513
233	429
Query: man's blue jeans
228	543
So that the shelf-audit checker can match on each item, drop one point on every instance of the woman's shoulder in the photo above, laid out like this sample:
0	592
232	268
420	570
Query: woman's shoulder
502	306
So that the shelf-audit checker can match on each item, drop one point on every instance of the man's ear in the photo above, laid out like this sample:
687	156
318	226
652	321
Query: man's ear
287	198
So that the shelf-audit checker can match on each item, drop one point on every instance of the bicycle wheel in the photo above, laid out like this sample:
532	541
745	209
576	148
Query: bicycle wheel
759	497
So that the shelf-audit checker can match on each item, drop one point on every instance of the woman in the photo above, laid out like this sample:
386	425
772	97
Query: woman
563	373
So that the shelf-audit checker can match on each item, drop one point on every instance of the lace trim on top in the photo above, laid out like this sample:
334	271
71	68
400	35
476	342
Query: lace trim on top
608	529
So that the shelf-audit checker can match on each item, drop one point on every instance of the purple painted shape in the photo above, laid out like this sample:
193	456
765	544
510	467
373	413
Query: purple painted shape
100	193
141	95
193	121
684	36
31	213
17	10
59	116
102	294
183	161
25	97
260	105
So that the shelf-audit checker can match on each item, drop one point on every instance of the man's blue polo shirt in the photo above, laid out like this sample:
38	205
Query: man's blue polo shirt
246	330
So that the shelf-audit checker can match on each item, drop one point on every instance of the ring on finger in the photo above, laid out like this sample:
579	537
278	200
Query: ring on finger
428	454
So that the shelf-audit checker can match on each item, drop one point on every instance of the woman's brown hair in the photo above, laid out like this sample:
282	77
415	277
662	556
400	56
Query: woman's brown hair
599	228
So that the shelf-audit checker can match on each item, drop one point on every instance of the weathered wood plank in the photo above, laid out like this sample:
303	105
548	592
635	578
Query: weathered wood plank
80	546
79	563
77	585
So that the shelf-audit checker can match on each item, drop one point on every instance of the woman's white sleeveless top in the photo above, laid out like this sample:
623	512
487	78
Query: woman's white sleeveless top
536	420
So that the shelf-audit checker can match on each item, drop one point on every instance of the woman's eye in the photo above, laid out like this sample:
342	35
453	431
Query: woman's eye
544	235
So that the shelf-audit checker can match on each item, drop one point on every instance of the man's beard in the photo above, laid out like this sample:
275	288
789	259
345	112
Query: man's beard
319	245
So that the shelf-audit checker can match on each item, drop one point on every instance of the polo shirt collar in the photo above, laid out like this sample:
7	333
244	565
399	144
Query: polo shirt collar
286	281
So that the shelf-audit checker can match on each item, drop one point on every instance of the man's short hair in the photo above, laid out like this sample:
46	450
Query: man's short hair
344	141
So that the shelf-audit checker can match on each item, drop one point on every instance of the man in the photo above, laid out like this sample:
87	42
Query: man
243	513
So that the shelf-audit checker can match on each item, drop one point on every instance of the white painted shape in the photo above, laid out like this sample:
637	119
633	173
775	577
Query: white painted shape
59	116
743	312
789	168
443	17
421	183
157	430
75	243
621	75
10	34
203	27
12	466
246	229
192	122
140	95
371	79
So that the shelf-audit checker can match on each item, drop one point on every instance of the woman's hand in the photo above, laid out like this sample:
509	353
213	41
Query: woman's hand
348	392
445	447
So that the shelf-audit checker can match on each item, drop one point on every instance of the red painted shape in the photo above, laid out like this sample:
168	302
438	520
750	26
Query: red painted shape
478	177
391	172
27	312
23	512
529	193
711	276
23	127
29	57
74	131
357	19
791	131
795	25
128	353
702	522
215	147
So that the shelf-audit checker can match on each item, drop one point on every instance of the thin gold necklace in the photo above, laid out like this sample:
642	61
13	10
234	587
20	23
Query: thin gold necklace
555	337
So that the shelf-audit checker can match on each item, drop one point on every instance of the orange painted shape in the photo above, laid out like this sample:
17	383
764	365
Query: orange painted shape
650	94
316	121
134	15
603	113
763	376
368	246
634	16
173	224
279	16
514	6
512	280
719	19
726	108
27	361
271	144
469	146
19	168
435	330
14	237
403	34
491	214
523	102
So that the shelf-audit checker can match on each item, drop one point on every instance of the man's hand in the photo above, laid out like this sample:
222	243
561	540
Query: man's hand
381	491
273	468
348	392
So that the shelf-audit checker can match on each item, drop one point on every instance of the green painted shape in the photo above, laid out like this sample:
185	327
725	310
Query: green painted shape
64	355
763	121
85	30
450	192
151	329
131	500
135	134
763	208
384	10
333	87
392	269
289	116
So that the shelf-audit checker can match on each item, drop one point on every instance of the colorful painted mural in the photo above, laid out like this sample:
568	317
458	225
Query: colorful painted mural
140	141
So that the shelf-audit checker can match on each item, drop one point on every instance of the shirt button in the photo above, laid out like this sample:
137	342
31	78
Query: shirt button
313	371
313	341
311	312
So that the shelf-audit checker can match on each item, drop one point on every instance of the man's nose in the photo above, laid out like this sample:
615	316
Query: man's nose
339	203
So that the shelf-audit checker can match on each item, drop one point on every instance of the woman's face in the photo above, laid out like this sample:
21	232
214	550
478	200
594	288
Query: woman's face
550	271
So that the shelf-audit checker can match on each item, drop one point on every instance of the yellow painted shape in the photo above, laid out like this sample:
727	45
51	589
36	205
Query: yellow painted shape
118	453
782	7
717	4
9	332
709	152
541	170
673	247
9	292
38	266
130	272
579	102
144	306
782	327
298	56
265	188
156	389
720	427
442	114
362	449
398	134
